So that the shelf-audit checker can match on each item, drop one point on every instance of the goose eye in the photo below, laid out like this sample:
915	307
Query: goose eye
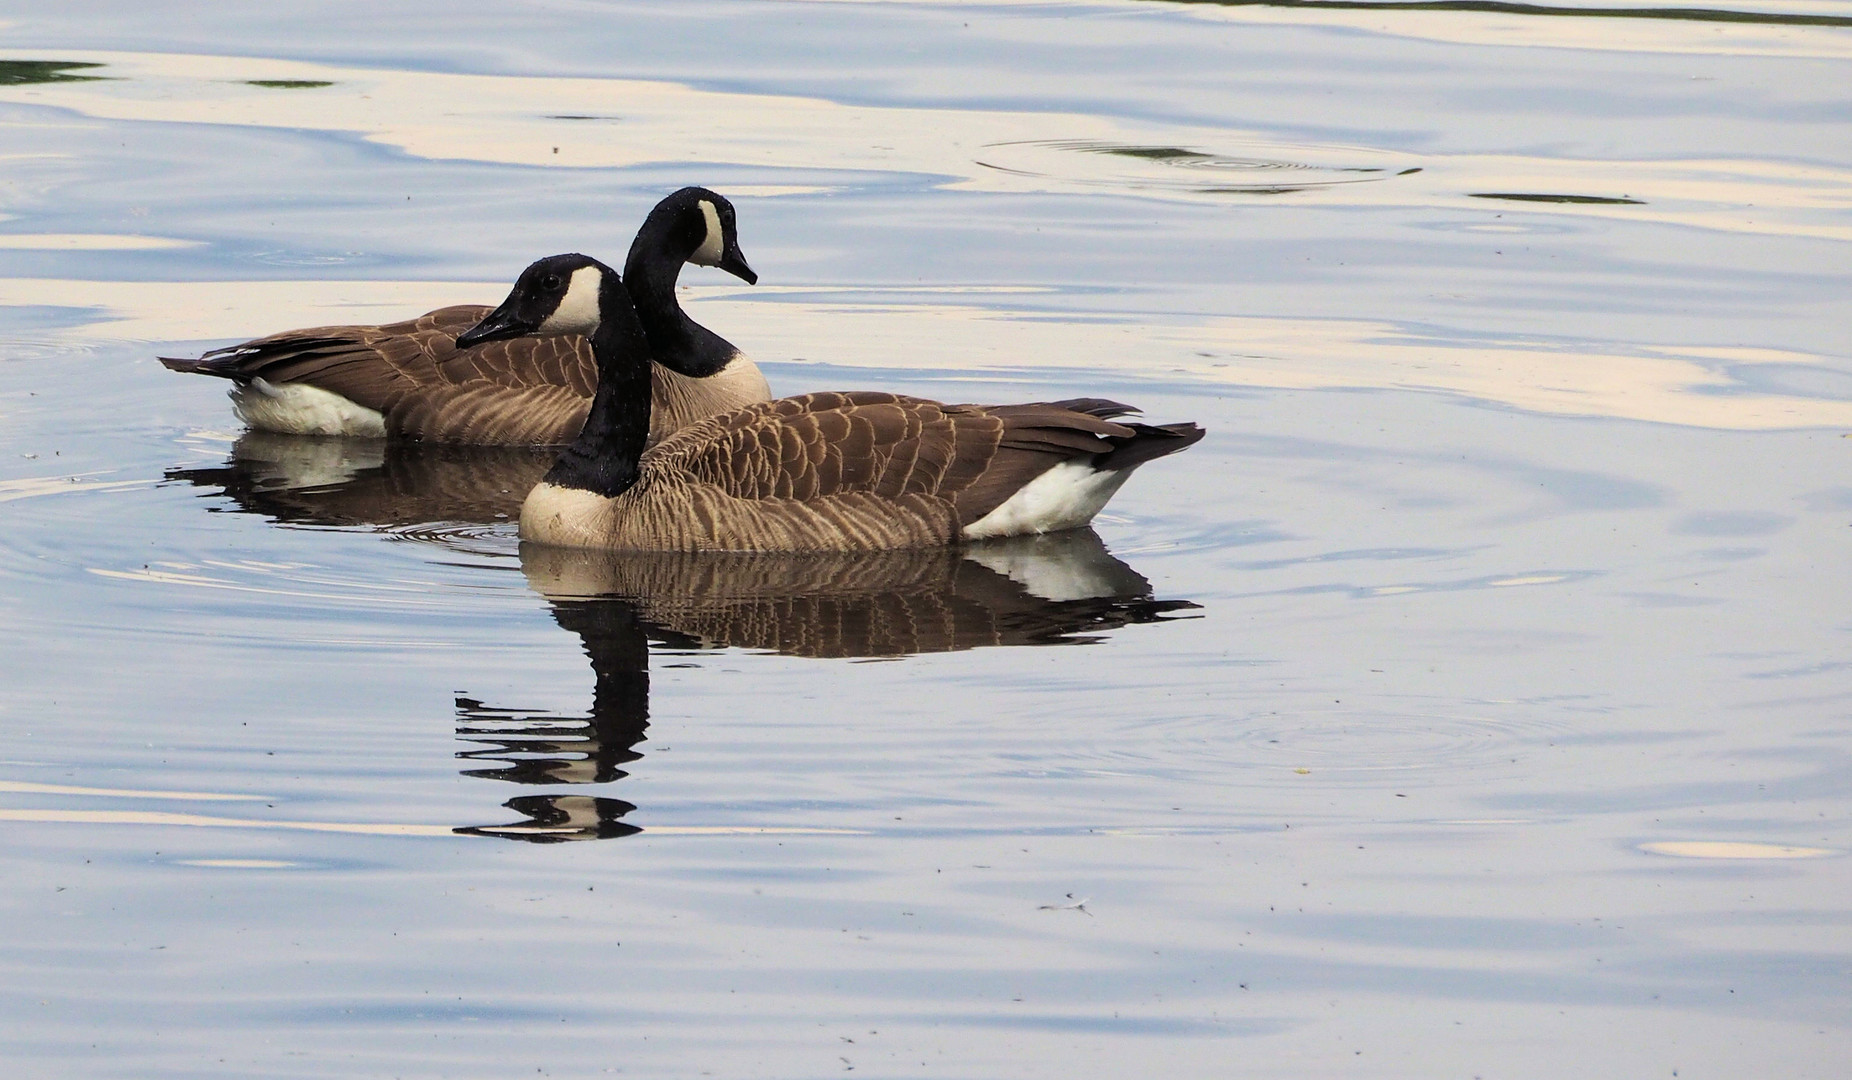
550	282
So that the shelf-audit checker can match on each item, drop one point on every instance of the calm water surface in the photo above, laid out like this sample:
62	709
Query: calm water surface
1474	701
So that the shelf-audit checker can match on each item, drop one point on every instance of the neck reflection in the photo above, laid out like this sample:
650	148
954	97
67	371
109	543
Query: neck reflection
537	748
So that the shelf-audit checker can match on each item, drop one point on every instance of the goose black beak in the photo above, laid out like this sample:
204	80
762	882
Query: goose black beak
498	325
735	263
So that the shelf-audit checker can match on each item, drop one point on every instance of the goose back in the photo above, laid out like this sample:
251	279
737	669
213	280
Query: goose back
532	391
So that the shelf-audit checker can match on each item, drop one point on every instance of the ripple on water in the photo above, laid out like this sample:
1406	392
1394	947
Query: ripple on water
34	351
1530	226
1356	746
461	537
308	259
1734	849
145	546
1185	169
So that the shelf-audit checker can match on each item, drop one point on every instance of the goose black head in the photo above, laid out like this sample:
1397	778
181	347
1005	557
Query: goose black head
703	224
559	294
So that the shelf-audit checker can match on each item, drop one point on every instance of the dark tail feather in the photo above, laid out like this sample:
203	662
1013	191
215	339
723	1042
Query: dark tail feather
198	366
1096	407
242	363
1148	442
219	363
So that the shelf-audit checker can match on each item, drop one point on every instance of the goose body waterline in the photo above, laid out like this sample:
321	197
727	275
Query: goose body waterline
861	471
413	380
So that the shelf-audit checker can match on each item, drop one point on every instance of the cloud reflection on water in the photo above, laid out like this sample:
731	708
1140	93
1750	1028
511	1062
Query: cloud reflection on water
526	120
1703	386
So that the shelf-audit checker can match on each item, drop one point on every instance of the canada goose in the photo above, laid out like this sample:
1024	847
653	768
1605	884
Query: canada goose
821	472
411	379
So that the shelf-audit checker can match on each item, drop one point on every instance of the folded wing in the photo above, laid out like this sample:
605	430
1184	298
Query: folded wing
889	445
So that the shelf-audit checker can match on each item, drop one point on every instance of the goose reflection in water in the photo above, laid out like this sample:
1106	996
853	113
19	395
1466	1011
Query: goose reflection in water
321	480
1060	589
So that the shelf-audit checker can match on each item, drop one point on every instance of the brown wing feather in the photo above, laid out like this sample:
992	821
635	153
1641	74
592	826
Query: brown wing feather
484	414
565	361
349	357
819	446
525	391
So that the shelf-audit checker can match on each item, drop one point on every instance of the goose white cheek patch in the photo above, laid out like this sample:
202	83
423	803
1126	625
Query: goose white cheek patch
578	309
708	254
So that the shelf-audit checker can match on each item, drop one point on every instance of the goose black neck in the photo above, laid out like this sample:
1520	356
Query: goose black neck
676	341
603	459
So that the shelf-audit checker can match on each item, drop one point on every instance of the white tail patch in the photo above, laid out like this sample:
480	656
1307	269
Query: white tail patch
301	409
1065	497
577	312
708	254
